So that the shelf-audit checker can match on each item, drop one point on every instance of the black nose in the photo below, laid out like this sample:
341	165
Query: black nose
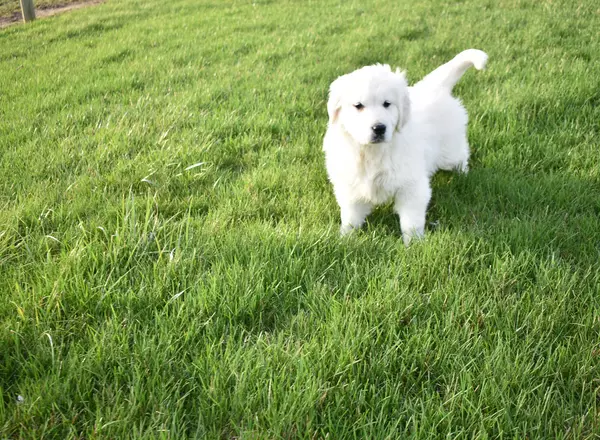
378	129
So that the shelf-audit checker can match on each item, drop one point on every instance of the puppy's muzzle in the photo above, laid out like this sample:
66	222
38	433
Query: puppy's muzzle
378	133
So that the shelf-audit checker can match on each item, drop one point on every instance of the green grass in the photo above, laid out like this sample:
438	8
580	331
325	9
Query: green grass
143	299
9	7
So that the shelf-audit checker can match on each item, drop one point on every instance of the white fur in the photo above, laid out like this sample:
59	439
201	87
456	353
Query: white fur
425	131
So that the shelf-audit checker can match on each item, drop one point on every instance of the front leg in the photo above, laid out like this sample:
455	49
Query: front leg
411	206
353	215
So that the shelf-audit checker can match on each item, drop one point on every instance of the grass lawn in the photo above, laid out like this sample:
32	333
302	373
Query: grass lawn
170	265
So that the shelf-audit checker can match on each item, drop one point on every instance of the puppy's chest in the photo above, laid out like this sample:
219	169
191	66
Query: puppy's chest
374	179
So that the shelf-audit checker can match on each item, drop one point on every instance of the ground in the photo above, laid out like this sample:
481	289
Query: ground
170	264
10	10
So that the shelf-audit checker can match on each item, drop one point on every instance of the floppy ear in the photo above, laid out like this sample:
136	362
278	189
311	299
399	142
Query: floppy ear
403	99
335	103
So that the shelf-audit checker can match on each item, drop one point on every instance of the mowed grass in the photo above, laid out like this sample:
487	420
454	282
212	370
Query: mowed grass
170	265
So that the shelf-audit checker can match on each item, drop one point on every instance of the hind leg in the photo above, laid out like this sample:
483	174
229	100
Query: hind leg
462	156
455	156
453	153
452	148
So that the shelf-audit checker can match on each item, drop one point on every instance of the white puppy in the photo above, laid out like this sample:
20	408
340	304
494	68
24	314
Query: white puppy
385	140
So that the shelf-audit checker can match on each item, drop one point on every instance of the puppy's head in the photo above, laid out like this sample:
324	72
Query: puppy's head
370	104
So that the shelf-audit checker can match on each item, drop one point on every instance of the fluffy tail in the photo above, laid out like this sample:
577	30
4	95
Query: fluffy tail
447	75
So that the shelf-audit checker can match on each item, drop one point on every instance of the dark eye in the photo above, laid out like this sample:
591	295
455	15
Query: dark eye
386	104
358	106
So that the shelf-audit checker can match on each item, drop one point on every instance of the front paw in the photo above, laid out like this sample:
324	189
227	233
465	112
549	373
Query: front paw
463	168
412	236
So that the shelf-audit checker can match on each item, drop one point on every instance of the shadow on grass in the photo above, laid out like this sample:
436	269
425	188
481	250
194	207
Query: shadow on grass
541	214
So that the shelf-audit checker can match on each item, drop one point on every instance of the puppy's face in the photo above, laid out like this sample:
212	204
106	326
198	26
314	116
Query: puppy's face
370	104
